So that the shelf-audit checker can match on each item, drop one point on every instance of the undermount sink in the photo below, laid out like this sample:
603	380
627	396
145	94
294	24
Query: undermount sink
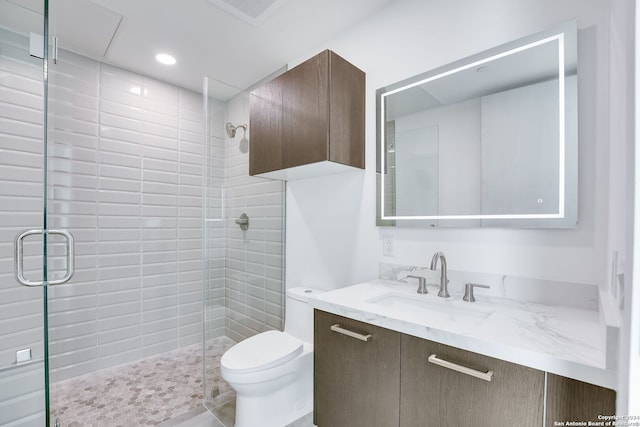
447	313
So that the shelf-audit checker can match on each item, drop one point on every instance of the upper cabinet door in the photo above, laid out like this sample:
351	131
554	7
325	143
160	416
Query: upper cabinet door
309	121
266	128
346	112
305	113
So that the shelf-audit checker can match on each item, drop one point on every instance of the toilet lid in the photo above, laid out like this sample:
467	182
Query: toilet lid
262	351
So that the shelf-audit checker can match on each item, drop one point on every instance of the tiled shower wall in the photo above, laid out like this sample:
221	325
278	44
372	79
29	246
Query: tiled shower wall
254	258
21	188
134	205
214	231
126	180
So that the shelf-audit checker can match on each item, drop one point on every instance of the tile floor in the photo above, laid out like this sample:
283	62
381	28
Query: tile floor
153	391
207	419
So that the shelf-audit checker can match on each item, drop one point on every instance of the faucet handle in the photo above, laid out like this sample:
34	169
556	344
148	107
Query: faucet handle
468	291
422	284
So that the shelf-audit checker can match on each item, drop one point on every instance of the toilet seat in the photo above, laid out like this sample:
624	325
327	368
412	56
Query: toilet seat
263	351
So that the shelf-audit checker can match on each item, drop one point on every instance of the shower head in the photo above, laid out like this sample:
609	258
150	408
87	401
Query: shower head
231	129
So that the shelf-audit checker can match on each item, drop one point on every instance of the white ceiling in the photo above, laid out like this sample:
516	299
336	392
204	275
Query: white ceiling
206	39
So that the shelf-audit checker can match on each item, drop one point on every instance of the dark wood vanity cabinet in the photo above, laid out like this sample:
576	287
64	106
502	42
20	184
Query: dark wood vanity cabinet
434	395
356	383
573	400
311	113
388	381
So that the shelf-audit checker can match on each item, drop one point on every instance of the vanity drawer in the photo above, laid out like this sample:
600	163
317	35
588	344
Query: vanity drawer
445	386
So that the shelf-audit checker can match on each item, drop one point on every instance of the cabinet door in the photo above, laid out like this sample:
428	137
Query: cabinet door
433	395
266	128
305	112
346	112
572	400
356	383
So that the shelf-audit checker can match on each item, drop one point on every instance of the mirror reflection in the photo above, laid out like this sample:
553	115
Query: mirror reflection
488	141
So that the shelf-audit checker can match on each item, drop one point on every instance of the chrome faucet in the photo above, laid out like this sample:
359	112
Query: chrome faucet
468	291
443	292
422	284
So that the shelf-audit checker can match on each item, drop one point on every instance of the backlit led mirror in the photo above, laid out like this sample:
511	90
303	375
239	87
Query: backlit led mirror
488	141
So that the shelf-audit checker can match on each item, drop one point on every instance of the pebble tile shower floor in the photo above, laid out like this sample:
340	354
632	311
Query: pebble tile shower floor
151	391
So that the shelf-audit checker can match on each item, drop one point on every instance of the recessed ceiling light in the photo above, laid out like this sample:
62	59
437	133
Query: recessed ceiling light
165	58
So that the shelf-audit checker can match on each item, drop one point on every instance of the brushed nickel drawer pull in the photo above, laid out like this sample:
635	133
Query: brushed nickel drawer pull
487	376
341	330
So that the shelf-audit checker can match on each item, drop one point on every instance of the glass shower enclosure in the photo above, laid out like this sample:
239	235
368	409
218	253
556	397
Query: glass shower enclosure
119	242
22	211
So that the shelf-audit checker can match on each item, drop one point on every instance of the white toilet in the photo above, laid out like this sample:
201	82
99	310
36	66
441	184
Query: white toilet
272	372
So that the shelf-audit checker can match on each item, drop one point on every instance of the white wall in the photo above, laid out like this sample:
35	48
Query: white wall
624	190
331	237
332	240
630	399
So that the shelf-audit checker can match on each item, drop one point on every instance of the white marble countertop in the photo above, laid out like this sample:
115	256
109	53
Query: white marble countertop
560	340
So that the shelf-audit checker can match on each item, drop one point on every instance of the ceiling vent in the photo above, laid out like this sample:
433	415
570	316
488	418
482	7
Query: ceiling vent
253	12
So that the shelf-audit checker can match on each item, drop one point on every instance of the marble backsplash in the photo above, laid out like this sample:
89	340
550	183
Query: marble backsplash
548	292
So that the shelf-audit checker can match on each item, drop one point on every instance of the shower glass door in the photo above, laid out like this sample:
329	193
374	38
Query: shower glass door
22	188
125	177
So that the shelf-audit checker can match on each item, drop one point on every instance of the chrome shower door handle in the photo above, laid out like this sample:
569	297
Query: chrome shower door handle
70	256
18	257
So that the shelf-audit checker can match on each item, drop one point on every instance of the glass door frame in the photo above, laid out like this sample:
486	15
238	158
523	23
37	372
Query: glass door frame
45	127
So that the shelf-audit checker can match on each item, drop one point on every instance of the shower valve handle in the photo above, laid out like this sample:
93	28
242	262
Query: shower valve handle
243	222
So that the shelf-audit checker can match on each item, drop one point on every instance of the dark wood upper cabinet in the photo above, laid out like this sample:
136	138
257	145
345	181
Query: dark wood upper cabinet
266	128
311	115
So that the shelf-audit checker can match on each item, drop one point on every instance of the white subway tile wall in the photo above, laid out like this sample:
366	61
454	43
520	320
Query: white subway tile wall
125	178
214	224
255	257
21	190
22	396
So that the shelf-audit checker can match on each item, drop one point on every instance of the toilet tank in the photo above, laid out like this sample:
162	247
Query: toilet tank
298	316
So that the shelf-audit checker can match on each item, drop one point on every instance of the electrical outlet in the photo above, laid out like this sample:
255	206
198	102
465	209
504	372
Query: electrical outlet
387	246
